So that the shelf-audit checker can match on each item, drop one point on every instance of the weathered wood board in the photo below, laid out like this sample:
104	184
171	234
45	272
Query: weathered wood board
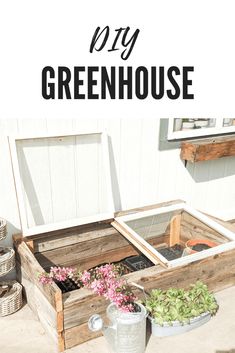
204	150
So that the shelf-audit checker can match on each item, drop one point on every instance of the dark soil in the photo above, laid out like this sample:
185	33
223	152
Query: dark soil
67	286
200	247
173	252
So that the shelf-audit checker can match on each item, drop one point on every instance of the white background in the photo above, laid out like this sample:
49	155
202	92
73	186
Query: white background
35	34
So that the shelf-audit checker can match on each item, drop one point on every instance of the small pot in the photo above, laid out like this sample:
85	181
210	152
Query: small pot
193	242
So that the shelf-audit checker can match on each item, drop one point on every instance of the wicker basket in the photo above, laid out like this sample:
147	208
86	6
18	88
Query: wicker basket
3	228
7	261
13	300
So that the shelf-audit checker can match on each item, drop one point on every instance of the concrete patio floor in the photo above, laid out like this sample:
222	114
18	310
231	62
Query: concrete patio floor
22	332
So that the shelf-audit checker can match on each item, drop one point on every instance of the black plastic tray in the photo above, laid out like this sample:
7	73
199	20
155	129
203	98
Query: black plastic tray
138	262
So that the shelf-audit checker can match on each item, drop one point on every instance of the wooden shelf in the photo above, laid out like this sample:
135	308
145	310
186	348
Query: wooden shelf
208	149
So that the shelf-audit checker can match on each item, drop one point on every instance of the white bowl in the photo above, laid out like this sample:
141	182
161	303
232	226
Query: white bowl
177	327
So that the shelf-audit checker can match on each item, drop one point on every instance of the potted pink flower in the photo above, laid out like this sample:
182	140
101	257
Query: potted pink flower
127	329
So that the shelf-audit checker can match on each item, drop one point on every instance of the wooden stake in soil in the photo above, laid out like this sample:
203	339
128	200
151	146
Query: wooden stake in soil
175	230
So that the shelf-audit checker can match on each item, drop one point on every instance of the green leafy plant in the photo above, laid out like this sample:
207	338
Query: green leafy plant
179	304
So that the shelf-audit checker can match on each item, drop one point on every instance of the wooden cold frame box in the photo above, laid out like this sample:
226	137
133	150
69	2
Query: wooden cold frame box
64	316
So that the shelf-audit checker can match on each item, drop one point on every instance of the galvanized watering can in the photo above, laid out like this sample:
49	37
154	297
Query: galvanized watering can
126	332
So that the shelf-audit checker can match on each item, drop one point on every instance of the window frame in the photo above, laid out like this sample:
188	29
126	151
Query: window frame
154	255
219	129
38	229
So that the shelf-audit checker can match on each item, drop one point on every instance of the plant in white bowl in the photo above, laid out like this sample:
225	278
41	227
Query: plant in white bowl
175	311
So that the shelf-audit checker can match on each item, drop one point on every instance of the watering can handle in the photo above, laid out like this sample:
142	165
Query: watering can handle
141	288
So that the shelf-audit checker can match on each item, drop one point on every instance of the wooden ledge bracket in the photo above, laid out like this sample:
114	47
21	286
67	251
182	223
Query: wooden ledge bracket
207	149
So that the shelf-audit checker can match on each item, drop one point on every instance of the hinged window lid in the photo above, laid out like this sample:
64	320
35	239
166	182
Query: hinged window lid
175	235
61	181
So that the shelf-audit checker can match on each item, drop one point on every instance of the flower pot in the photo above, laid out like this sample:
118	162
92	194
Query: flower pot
126	332
176	327
191	245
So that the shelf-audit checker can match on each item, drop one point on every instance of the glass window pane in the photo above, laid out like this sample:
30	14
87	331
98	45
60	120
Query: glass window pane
62	178
151	226
176	234
192	124
228	122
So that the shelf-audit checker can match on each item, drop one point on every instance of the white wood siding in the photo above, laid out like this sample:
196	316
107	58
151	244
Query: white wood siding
143	172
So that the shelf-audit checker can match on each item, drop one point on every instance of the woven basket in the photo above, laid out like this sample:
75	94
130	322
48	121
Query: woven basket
7	261
12	302
3	228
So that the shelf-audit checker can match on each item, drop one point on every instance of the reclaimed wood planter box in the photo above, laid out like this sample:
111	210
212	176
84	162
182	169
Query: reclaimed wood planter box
64	316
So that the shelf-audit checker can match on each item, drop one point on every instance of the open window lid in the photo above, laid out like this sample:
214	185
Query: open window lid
175	235
61	181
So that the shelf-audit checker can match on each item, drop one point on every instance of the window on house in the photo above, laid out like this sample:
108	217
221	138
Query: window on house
185	128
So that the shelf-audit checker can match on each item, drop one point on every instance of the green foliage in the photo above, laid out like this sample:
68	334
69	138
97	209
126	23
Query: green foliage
179	304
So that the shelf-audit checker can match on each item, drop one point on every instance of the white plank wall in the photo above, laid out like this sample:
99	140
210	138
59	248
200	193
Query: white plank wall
142	172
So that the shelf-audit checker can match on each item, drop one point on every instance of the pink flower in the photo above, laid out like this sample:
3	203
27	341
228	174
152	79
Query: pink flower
62	273
106	271
44	278
98	286
56	273
85	278
105	280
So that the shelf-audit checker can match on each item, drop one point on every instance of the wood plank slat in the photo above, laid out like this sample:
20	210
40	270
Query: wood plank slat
146	208
39	304
82	250
79	334
175	230
79	311
72	237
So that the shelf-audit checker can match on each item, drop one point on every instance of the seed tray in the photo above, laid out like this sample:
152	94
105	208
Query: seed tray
173	252
139	262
